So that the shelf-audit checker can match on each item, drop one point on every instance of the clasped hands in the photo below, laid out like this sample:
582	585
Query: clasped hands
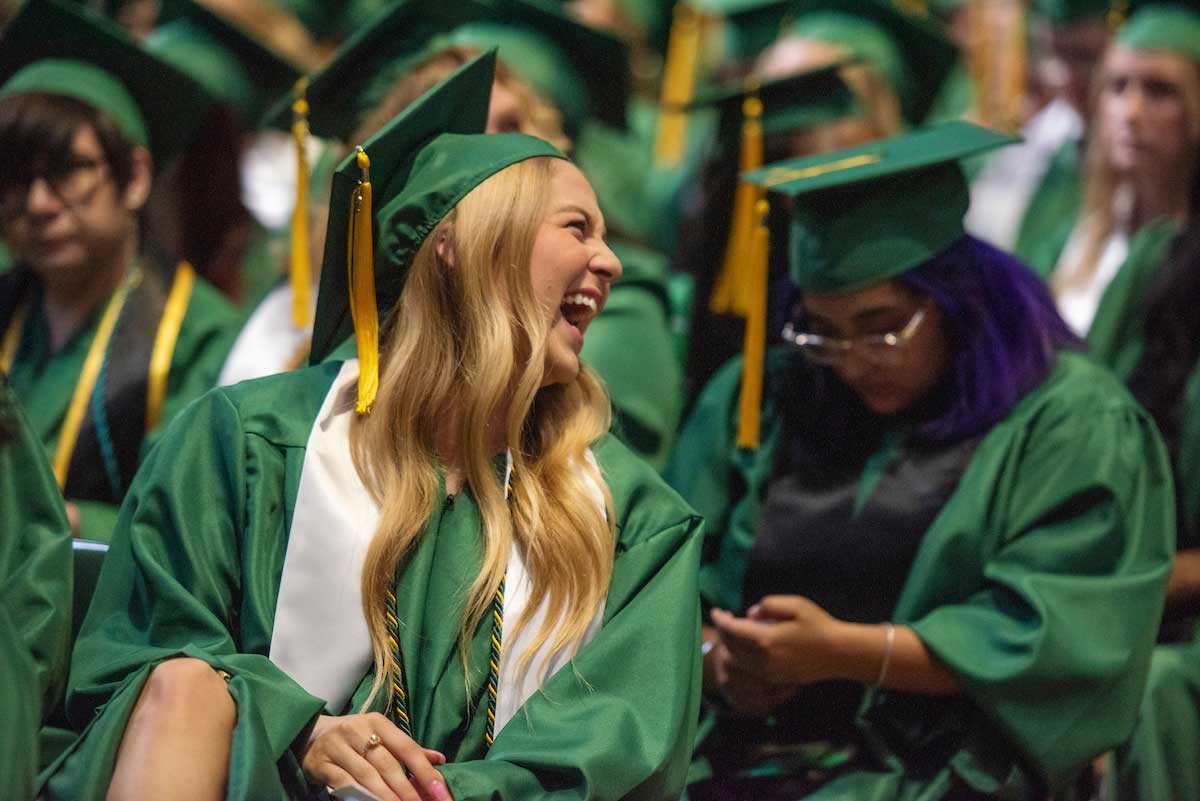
371	751
759	661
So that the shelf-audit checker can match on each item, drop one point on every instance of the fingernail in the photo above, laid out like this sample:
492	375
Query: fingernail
439	791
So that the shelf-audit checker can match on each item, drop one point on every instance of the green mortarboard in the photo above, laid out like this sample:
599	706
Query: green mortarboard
790	103
229	62
910	51
870	213
331	20
1062	12
584	71
52	47
1170	26
422	164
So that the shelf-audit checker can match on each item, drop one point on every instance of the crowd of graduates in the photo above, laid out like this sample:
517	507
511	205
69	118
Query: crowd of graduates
565	399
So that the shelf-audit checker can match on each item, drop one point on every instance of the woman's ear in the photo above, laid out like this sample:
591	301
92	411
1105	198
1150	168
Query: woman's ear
141	178
444	248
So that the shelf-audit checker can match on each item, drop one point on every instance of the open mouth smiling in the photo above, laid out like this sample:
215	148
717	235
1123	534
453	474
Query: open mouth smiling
579	308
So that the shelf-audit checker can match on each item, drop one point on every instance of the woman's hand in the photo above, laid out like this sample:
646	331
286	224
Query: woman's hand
745	694
784	640
369	750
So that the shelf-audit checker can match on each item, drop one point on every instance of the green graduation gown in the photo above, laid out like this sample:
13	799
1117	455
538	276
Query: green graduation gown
1115	337
1052	211
44	381
1062	518
35	596
198	562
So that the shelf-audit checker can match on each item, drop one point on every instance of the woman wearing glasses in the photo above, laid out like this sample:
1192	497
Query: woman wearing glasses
903	582
101	339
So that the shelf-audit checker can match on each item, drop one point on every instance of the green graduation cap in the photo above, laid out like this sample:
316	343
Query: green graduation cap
871	213
52	47
399	185
789	103
749	25
227	60
910	50
1170	26
583	71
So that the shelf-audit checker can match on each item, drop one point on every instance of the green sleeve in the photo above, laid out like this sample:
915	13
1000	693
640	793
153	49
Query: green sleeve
1054	647
35	593
619	722
174	584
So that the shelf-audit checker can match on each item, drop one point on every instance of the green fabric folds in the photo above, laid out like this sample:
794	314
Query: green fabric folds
35	596
195	569
1062	518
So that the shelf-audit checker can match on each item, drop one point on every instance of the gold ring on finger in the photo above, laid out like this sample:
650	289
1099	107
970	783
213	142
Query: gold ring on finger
372	741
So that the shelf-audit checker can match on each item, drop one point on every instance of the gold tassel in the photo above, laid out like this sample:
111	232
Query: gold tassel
679	80
1118	10
300	264
730	292
361	260
754	347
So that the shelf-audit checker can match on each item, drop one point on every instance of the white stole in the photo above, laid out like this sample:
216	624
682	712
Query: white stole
320	635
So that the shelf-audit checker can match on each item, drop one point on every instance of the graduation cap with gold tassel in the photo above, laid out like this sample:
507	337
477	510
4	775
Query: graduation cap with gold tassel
864	215
388	195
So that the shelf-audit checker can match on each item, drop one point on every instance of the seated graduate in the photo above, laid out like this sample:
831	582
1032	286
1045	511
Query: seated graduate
947	500
1141	172
554	78
1159	763
436	563
103	338
35	596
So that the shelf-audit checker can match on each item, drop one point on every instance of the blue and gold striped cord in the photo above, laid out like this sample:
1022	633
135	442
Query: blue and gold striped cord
397	708
493	682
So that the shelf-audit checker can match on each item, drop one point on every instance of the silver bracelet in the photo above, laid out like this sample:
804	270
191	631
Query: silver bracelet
889	641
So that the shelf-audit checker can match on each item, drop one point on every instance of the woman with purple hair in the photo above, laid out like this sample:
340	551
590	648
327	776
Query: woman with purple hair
934	569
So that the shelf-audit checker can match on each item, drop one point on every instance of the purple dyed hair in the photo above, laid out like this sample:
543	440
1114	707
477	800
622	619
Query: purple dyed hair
1004	329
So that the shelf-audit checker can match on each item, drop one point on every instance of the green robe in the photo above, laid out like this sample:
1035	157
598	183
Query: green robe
1052	211
1062	518
35	596
632	347
1115	337
44	381
196	566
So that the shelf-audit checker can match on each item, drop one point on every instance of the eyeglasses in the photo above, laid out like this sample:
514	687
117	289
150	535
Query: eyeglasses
72	182
880	350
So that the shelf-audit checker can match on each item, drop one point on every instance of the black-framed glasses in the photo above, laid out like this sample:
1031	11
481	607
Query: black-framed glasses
72	182
882	350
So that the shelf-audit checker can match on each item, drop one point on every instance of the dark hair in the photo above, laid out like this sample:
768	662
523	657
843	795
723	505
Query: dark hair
37	128
1004	330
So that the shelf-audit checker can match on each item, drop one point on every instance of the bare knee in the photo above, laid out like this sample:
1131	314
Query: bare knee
189	685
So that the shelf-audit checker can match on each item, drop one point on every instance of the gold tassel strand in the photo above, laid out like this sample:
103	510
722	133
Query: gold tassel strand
361	262
679	81
300	264
730	294
754	348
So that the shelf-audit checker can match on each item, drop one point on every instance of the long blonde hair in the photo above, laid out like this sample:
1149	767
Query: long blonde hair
465	343
1101	184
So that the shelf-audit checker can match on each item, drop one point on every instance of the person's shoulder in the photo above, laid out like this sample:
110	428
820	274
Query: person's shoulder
643	503
1077	385
281	407
208	307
